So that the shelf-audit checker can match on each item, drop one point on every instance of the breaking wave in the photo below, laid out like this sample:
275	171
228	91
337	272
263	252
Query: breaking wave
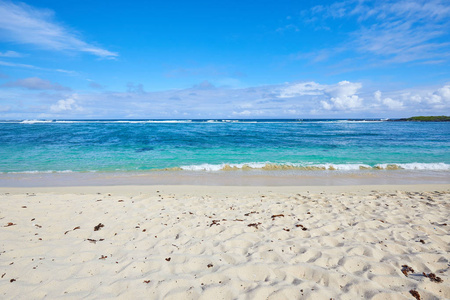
314	167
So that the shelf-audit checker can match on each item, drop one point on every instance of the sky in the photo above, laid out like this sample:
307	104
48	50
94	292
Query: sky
108	59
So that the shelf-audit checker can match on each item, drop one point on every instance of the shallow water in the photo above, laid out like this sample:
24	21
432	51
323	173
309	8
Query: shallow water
215	145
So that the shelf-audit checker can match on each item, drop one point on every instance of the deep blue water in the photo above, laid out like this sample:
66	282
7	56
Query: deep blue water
81	146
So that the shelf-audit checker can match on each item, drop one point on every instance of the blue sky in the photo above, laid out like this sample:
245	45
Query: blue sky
235	59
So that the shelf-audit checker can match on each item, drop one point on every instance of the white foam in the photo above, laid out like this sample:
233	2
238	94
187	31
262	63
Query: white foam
328	166
345	167
418	166
35	121
39	172
219	167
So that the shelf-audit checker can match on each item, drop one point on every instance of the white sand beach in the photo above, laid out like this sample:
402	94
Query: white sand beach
218	242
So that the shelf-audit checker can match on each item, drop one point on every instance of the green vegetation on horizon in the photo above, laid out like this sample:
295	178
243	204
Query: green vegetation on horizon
428	119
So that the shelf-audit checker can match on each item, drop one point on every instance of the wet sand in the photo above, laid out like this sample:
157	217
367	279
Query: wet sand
228	178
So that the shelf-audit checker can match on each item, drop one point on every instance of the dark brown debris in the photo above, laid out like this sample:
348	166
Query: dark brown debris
210	265
78	227
406	269
12	280
168	259
97	228
422	241
286	229
302	227
103	257
9	224
214	222
95	241
276	216
248	214
415	294
254	225
433	277
120	201
24	206
147	281
3	275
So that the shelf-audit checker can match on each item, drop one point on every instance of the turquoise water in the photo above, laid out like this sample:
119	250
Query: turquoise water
214	145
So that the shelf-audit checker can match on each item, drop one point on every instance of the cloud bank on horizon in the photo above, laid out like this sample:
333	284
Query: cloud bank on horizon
337	59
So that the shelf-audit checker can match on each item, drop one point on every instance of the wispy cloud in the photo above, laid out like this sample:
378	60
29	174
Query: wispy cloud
35	83
27	66
10	54
95	85
24	24
395	31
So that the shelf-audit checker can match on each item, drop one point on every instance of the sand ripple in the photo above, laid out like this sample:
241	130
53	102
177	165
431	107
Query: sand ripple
227	246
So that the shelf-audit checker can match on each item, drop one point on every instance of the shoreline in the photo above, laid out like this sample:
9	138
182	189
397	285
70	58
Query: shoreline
199	190
227	178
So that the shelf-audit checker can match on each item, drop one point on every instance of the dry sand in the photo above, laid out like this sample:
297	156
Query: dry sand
197	242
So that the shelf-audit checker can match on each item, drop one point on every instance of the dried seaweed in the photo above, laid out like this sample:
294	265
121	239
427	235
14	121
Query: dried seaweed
406	269
277	216
415	294
433	277
98	227
254	225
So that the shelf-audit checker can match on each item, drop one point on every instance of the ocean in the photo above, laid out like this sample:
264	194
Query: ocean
216	146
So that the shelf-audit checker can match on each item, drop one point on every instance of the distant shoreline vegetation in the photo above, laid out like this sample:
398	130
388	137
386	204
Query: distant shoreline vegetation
263	120
425	119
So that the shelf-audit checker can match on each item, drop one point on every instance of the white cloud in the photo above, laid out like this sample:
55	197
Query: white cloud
429	100
343	96
65	105
28	25
444	93
339	100
392	104
389	102
416	98
10	54
377	95
35	83
300	89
